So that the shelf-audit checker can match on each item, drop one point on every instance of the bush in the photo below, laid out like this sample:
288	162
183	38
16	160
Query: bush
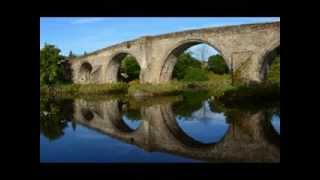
274	72
195	74
217	64
130	67
185	60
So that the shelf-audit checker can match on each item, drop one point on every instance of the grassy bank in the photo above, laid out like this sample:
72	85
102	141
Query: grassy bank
250	96
92	89
173	88
216	85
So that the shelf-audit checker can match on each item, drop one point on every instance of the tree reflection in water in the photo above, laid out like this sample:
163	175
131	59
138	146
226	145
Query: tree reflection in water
197	128
53	118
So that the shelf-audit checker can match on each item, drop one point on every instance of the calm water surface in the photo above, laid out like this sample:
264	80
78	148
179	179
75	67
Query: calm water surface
187	128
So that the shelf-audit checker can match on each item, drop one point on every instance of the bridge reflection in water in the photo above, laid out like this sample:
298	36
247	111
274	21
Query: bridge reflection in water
249	136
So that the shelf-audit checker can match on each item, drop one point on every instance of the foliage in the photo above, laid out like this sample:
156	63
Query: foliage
174	87
217	64
274	71
195	74
130	66
191	102
184	61
71	55
133	115
51	69
218	83
53	115
92	89
251	95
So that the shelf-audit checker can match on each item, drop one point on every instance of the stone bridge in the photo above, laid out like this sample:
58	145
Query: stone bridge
245	48
249	138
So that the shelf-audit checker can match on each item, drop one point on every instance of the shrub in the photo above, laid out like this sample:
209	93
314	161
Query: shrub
195	74
185	60
130	67
274	72
217	64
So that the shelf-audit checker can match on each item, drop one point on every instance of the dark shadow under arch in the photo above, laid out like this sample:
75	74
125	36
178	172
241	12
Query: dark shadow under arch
113	68
267	60
85	71
87	114
86	67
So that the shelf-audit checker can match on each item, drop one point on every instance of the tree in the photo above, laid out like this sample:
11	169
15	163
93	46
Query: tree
130	67
195	74
217	64
191	103
184	61
52	121
51	69
71	55
273	75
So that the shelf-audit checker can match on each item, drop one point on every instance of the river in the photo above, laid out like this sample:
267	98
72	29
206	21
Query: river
192	127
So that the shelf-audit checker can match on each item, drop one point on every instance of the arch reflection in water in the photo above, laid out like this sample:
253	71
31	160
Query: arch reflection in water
276	123
132	123
243	138
204	125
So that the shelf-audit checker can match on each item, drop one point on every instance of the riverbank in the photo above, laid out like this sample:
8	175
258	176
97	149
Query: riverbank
216	85
90	89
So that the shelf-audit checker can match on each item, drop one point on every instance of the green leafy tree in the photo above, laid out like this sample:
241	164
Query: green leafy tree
184	61
130	67
52	121
51	69
71	55
195	74
273	75
217	64
191	102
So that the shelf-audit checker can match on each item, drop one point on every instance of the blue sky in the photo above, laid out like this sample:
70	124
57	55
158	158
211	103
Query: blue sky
90	34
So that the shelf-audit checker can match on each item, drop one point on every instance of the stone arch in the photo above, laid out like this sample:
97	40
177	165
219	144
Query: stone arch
271	135
170	122
266	58
112	68
170	57
87	114
85	71
115	115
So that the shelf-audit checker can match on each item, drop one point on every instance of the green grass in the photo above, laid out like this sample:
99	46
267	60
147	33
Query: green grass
217	85
171	88
251	95
92	89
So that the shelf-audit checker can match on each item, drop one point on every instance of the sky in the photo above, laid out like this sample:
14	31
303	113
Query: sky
83	34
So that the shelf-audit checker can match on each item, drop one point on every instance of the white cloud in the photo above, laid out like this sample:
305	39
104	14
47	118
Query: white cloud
86	20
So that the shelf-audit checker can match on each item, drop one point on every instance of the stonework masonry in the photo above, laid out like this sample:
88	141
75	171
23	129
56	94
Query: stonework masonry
244	48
